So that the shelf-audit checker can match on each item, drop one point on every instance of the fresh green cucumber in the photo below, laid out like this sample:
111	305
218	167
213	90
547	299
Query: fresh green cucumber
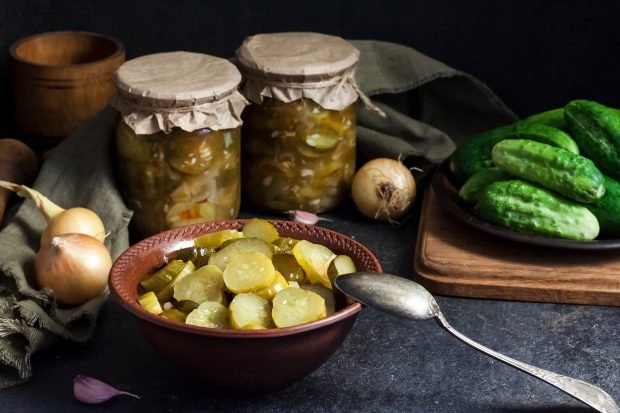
596	129
544	134
573	176
554	118
472	189
525	207
475	154
607	209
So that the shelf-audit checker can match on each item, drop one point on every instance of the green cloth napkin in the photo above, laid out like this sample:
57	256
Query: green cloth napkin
430	107
79	172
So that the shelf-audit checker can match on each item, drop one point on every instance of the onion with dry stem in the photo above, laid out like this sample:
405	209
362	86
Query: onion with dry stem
383	189
59	220
74	266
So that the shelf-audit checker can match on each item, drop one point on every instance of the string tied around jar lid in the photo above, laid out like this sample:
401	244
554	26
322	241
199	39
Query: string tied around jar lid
145	119
366	100
190	91
291	66
273	88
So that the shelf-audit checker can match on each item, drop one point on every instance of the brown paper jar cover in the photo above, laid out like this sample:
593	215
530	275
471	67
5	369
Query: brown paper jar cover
187	90
179	140
295	65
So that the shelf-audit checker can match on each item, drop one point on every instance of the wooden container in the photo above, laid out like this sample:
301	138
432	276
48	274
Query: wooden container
61	80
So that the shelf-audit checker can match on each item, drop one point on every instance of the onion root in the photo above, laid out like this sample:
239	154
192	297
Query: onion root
383	189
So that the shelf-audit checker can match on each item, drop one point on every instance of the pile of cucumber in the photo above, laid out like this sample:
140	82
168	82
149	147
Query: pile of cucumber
553	174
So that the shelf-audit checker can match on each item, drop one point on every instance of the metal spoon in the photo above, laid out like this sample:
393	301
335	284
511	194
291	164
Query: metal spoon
407	299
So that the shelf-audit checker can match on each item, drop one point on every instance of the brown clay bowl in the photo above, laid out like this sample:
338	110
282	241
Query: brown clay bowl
258	360
61	80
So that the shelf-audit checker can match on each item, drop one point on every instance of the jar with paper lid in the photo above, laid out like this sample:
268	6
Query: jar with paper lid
178	139
299	130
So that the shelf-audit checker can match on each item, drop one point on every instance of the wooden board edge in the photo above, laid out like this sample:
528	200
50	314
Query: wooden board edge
438	284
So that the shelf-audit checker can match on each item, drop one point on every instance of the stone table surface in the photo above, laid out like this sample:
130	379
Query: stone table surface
385	365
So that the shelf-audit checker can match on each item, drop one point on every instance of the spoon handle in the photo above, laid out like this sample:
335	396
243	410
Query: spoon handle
589	394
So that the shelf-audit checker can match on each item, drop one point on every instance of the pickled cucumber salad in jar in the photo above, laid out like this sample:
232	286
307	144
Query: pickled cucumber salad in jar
299	130
178	139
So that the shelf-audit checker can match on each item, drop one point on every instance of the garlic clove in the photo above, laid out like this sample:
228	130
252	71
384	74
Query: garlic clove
92	391
305	217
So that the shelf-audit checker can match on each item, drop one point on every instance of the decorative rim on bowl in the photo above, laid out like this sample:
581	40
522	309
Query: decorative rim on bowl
174	239
119	48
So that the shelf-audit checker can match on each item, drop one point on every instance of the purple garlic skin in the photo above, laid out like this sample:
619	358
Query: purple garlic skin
305	217
93	391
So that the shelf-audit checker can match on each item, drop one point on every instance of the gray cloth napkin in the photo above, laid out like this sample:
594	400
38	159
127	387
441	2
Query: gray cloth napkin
430	107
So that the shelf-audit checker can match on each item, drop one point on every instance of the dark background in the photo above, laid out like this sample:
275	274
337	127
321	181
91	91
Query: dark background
535	54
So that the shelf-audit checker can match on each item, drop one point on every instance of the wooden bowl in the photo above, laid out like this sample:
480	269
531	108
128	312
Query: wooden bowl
251	360
60	80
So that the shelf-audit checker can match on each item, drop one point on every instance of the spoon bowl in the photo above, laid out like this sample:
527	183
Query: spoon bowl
404	298
390	294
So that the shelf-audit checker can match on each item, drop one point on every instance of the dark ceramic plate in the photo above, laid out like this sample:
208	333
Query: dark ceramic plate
446	190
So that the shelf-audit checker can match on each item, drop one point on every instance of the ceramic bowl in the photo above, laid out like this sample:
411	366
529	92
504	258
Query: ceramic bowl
257	360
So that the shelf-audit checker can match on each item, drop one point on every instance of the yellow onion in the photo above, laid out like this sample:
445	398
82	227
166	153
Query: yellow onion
59	220
383	189
74	266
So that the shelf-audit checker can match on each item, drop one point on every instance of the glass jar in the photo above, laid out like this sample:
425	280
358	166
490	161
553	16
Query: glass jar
181	178
299	130
178	140
298	155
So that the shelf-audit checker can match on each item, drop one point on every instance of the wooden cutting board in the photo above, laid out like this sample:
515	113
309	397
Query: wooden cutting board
453	259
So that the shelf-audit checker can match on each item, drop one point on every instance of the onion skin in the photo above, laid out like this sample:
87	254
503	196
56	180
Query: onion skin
383	189
73	220
74	266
